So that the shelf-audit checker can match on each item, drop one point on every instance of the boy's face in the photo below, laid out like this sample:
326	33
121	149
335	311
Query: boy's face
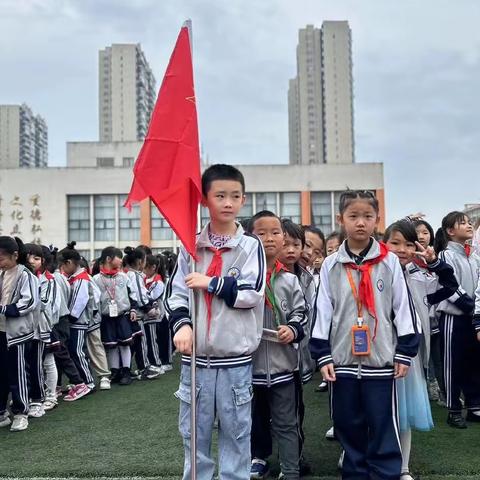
332	245
269	230
312	249
291	252
224	200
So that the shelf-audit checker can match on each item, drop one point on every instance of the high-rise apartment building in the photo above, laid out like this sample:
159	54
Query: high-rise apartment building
23	138
320	97
126	93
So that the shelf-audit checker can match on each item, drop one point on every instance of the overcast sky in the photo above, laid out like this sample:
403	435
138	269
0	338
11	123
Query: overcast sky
416	67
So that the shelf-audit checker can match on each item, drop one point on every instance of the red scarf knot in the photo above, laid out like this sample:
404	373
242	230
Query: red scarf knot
468	249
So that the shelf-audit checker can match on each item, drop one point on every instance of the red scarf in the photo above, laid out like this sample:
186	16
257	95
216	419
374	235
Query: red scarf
276	268
108	273
83	275
365	288
155	278
468	249
214	270
420	262
48	275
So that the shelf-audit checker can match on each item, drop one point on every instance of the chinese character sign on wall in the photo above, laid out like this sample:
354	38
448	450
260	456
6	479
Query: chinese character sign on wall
21	217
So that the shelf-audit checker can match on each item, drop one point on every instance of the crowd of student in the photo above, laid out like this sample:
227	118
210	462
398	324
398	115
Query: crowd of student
392	321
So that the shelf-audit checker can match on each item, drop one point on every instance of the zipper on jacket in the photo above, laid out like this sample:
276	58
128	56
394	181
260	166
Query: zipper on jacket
208	361
359	371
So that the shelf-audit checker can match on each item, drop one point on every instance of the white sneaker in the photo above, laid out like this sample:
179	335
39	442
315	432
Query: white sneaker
36	410
168	367
20	422
105	383
49	404
5	420
330	434
340	460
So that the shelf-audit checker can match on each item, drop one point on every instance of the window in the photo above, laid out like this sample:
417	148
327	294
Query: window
128	161
129	222
321	204
266	201
290	206
247	210
85	254
160	228
105	162
79	218
104	209
204	216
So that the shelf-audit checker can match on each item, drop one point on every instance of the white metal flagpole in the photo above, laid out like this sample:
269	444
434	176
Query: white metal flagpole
193	357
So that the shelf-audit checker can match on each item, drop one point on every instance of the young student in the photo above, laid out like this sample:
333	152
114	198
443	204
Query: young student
228	287
276	360
436	384
80	305
61	332
19	310
333	242
291	255
459	346
95	348
117	307
134	262
364	336
314	247
38	259
429	281
155	287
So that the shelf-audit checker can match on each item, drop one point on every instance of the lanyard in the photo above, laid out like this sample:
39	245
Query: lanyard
356	296
270	296
110	291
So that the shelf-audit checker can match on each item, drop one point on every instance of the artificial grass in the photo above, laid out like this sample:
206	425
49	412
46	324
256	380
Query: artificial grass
132	432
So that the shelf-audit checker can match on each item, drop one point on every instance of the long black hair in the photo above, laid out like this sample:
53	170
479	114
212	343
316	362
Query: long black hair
69	253
10	245
405	228
449	221
133	256
109	252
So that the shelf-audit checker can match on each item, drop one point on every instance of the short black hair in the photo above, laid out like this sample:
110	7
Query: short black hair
261	214
10	245
293	230
221	171
315	231
133	255
110	252
69	253
339	235
349	196
404	227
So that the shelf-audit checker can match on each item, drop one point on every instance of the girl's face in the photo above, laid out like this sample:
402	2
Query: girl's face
8	260
35	262
332	245
401	247
149	270
423	235
114	263
69	268
312	249
461	231
292	249
359	220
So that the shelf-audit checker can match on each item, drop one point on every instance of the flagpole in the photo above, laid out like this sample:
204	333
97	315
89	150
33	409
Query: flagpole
193	357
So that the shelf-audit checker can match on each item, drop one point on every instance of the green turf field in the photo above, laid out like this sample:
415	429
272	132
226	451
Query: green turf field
132	432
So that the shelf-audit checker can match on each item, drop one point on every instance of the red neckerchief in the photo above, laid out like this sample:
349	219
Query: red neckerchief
468	249
83	275
365	289
213	270
276	268
109	273
48	275
155	278
420	262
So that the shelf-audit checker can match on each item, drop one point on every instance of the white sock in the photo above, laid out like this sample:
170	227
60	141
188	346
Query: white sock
126	355
476	412
113	357
406	442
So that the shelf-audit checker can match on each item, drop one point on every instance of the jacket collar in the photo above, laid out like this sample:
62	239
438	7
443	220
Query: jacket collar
457	247
344	257
203	240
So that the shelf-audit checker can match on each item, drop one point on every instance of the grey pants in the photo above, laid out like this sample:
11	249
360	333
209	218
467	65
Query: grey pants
278	404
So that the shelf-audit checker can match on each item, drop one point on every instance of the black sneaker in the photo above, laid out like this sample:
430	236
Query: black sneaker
471	417
456	420
116	375
126	378
323	387
304	467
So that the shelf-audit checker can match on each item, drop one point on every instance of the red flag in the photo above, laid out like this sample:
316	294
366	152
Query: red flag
167	169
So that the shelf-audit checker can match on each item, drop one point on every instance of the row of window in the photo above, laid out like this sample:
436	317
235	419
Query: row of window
102	218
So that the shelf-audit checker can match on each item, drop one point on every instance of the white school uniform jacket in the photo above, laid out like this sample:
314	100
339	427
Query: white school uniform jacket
428	286
63	289
237	306
137	284
23	308
120	286
397	336
155	288
48	298
81	300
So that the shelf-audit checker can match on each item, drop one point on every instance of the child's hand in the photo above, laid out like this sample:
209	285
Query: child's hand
153	313
183	340
328	373
401	370
285	334
428	254
478	336
133	316
197	280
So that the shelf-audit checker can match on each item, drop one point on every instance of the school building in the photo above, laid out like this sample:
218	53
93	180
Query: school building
85	204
